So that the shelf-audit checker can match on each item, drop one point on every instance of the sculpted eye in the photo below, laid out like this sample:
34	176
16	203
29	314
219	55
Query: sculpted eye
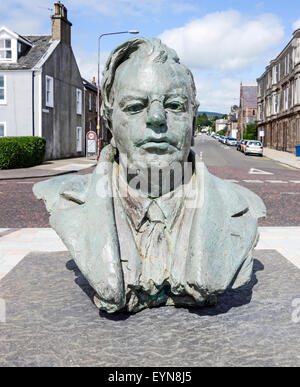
135	108
175	106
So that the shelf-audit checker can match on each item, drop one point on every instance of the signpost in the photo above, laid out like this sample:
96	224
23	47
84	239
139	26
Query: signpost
91	144
262	135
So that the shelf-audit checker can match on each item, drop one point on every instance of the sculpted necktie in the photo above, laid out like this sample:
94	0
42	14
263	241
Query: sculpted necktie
154	249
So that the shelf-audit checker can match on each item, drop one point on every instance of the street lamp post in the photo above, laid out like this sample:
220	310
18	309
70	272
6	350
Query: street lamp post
98	86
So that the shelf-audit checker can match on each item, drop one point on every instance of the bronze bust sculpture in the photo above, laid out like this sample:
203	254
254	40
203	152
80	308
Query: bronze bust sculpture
151	226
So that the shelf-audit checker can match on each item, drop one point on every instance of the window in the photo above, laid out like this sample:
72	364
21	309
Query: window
78	139
276	73
293	57
295	52
285	98
269	79
297	91
49	91
2	90
90	101
5	50
78	101
292	93
275	104
2	129
96	103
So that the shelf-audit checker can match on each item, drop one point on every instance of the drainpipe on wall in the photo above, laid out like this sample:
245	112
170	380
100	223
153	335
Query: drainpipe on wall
32	96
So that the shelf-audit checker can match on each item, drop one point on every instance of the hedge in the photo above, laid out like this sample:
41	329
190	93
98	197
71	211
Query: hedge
21	152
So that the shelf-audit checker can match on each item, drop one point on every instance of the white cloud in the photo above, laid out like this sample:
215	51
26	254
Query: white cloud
88	63
217	93
296	24
225	40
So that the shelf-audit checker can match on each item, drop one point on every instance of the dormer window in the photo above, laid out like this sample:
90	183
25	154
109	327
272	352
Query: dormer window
5	49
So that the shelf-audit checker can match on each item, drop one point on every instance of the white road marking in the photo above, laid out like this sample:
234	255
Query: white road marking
277	181
289	193
253	181
259	172
295	181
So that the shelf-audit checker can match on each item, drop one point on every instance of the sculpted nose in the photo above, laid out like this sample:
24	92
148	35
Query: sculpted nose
156	115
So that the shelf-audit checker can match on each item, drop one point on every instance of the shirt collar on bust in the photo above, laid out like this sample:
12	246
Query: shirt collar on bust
136	205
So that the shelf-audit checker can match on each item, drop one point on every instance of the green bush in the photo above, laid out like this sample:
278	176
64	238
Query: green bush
21	152
250	132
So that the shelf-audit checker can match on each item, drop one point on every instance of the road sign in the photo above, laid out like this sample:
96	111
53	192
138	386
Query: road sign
91	135
91	143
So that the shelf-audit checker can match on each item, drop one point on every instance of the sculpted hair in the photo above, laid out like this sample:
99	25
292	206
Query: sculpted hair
147	49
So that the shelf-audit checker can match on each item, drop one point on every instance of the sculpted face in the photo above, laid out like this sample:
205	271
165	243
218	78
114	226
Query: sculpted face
152	113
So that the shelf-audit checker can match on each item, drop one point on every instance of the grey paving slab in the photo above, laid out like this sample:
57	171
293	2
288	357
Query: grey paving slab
51	321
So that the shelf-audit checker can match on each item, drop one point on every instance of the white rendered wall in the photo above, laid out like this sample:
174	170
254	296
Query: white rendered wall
17	112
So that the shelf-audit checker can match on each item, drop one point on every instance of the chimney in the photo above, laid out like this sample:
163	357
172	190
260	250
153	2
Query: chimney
61	27
94	81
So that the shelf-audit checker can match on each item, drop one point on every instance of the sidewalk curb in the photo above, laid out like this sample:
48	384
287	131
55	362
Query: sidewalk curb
58	173
284	162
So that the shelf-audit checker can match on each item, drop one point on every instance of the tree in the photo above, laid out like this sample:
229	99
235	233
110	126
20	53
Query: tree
222	132
202	120
251	131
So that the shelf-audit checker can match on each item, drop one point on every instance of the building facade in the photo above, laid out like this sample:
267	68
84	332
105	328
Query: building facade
221	124
247	112
90	105
41	90
232	125
279	99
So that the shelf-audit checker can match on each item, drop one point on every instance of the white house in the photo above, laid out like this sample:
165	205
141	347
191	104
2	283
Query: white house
220	124
41	90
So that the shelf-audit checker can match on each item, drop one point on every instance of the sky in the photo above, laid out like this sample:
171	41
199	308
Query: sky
223	42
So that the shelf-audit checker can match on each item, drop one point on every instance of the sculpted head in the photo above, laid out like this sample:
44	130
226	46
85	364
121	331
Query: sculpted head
148	103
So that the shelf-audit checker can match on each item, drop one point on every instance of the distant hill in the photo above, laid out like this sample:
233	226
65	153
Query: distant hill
211	114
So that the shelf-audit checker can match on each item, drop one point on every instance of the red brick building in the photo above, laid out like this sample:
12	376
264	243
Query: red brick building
247	112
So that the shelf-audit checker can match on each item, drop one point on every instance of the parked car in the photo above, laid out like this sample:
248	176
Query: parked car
243	145
254	147
224	139
231	141
238	145
220	138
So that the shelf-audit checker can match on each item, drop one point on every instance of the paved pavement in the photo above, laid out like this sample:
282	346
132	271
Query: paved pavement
16	244
49	319
48	169
283	157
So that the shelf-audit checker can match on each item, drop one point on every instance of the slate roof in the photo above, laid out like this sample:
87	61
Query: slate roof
41	43
249	94
89	85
